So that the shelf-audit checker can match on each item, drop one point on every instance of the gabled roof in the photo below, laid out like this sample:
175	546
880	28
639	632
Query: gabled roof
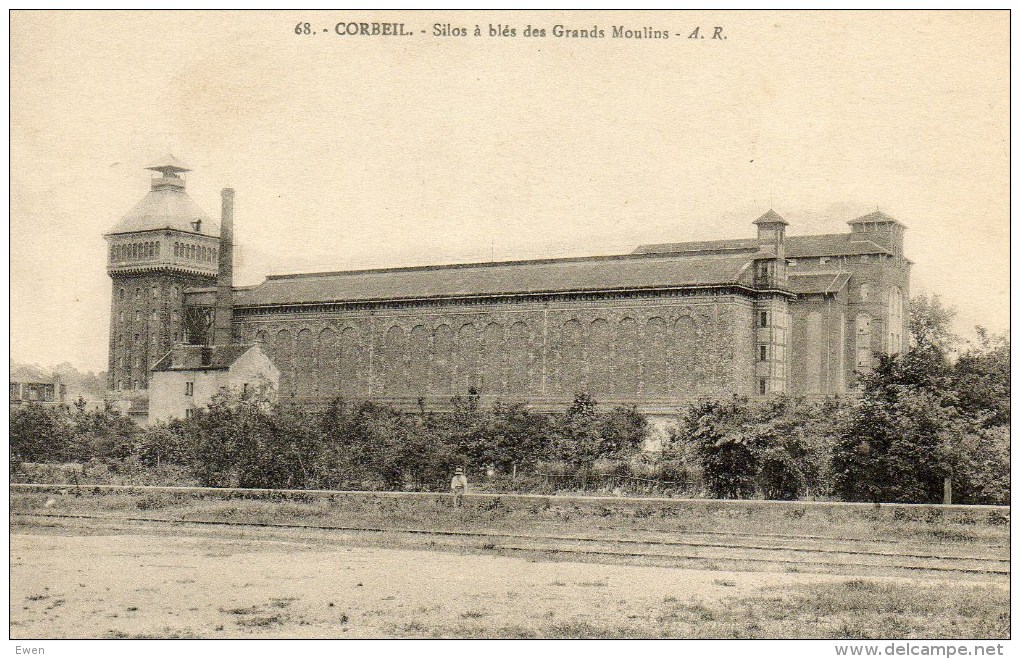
606	273
166	208
818	282
190	358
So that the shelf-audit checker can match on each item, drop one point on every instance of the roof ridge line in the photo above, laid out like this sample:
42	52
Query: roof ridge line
479	264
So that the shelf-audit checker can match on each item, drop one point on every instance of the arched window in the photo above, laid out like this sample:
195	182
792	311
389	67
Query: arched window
155	292
138	294
122	293
863	343
895	320
177	249
157	250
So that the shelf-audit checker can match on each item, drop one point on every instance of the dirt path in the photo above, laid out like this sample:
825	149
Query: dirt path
84	586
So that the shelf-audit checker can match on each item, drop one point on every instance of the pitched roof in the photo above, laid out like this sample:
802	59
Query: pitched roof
31	373
750	245
189	358
876	216
818	282
828	244
771	217
169	162
832	244
166	208
603	273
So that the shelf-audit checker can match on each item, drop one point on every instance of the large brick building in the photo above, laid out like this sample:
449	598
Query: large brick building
659	326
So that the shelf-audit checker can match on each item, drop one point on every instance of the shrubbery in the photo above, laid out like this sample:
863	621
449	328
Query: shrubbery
918	419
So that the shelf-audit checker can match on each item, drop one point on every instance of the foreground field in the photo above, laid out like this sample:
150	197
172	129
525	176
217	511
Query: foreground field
115	563
117	586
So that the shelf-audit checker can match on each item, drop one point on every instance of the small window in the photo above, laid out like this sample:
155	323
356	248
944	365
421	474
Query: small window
763	386
763	319
763	353
155	292
189	388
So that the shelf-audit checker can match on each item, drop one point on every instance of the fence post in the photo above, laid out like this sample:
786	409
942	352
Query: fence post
947	491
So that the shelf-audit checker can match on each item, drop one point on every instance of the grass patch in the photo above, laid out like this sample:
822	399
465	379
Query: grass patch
261	621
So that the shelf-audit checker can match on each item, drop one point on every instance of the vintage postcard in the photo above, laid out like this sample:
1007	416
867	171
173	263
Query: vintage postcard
510	325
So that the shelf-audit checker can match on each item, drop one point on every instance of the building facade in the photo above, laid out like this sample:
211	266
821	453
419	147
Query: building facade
31	384
188	377
656	328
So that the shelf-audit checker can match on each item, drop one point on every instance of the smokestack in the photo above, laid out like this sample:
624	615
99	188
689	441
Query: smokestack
224	314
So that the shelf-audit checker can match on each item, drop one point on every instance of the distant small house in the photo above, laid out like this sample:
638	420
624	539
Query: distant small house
188	377
32	384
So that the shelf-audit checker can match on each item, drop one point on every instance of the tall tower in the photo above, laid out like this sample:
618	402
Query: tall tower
771	308
164	245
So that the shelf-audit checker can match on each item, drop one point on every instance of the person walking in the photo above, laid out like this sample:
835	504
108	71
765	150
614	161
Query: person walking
458	485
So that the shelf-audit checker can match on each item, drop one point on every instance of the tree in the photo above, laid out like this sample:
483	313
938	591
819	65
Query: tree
39	434
900	440
981	379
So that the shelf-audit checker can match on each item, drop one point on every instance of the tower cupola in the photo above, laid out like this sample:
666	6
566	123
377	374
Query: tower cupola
169	170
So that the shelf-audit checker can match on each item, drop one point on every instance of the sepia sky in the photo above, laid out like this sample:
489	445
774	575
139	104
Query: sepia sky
356	152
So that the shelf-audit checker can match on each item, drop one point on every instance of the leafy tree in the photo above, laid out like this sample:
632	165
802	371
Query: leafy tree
577	439
981	379
900	440
38	434
165	444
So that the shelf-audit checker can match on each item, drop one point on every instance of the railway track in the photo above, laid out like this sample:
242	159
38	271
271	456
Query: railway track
839	556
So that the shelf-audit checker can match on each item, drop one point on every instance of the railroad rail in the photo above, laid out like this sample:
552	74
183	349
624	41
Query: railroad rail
618	548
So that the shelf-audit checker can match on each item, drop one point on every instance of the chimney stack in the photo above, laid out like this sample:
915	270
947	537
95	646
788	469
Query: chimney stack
224	315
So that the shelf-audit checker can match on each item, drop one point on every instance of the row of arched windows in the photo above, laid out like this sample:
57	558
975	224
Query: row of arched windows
174	293
196	252
629	357
134	251
150	250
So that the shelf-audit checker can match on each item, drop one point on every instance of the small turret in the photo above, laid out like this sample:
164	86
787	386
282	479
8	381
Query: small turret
772	227
879	228
770	270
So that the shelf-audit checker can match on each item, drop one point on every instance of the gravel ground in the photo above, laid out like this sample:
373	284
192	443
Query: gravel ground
68	585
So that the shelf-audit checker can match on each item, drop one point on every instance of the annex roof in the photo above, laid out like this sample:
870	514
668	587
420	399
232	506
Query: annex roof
31	373
190	358
818	282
